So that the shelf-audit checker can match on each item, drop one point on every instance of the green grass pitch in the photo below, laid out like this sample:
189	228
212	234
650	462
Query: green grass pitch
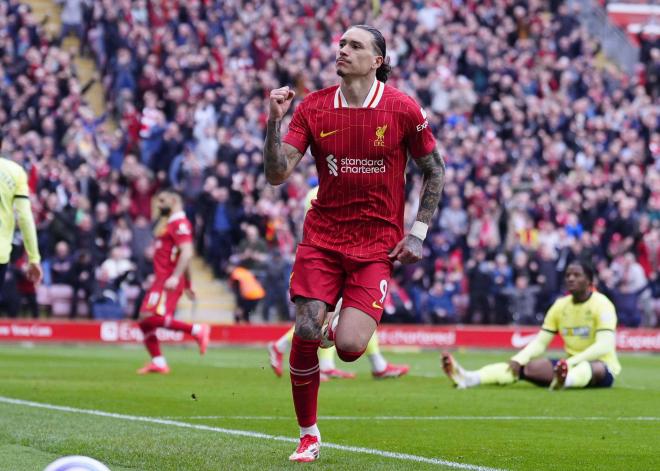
380	425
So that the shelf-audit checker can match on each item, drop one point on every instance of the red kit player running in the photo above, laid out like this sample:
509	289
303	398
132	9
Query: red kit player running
174	250
360	134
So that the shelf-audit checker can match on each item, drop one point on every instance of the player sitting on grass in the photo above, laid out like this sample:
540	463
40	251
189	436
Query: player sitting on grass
380	368
586	321
174	250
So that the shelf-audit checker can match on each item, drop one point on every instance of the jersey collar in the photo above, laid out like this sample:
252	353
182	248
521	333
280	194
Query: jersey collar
371	101
177	215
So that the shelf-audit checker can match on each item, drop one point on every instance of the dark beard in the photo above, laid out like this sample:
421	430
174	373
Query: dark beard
164	212
341	73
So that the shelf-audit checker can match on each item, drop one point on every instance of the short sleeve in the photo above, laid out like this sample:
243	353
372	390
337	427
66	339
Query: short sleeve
606	317
299	134
22	188
182	232
551	321
419	138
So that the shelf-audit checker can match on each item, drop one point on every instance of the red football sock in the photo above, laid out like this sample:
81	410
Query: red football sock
150	340
152	344
305	379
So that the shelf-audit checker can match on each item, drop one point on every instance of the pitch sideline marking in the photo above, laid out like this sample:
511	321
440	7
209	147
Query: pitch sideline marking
411	417
245	433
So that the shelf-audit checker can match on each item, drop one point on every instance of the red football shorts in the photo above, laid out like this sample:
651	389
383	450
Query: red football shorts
327	275
161	302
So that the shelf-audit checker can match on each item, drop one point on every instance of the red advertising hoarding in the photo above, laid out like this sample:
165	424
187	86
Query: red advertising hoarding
432	337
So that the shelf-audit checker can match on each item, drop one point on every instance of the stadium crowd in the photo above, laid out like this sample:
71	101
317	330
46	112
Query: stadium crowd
553	153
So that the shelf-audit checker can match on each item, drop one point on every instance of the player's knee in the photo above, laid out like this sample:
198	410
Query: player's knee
598	372
308	329
147	322
350	348
348	344
348	355
537	371
309	318
351	338
308	332
533	369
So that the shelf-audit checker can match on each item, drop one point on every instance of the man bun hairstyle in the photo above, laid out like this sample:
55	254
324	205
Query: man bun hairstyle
379	45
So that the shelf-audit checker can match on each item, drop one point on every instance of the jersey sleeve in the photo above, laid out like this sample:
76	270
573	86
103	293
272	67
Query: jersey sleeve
551	321
299	134
419	138
181	232
606	318
28	229
22	188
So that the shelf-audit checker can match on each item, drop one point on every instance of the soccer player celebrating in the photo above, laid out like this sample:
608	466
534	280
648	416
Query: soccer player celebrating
15	194
360	133
174	250
586	321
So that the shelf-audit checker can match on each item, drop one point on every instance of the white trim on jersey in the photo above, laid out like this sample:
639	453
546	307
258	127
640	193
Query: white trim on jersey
176	216
340	101
378	94
371	101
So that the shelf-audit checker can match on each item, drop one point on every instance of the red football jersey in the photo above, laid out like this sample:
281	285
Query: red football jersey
361	156
177	232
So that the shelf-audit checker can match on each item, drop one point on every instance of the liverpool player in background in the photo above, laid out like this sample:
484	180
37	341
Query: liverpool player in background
360	133
174	250
586	321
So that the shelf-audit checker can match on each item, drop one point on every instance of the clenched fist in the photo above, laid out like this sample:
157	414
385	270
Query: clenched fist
280	101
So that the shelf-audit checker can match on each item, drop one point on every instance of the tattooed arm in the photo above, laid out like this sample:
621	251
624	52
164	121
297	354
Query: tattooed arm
433	171
279	158
409	250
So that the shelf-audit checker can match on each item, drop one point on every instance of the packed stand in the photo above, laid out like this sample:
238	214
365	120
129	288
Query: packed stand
552	152
93	216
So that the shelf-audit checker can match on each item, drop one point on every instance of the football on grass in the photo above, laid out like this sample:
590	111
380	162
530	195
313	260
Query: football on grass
76	463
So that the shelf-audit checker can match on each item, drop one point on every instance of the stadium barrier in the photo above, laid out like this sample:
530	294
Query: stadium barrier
432	337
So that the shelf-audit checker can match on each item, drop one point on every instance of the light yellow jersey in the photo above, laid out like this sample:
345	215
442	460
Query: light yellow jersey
13	184
311	196
578	323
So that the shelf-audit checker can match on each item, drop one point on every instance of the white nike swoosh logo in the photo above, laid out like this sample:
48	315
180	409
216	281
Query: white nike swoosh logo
519	341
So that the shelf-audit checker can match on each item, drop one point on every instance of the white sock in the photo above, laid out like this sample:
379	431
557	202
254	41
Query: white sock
313	430
471	378
326	364
283	345
378	363
579	376
159	361
197	328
